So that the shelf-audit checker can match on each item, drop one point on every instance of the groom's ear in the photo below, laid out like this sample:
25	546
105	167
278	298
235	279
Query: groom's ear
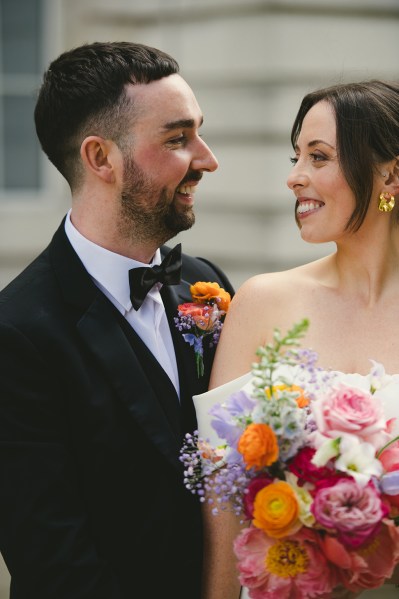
99	157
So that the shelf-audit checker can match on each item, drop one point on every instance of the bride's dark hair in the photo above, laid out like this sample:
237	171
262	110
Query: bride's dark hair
367	120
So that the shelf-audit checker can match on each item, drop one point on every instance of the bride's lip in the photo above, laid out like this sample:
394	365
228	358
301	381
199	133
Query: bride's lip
307	206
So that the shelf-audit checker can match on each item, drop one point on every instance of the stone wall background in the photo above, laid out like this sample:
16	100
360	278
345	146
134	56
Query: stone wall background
249	63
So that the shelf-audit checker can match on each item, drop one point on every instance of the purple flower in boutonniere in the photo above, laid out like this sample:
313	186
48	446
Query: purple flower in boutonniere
203	318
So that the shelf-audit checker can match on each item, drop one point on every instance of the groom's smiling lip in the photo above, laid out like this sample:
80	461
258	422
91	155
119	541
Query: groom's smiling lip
187	190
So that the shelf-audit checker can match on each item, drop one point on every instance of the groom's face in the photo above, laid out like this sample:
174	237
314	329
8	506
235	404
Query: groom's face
166	158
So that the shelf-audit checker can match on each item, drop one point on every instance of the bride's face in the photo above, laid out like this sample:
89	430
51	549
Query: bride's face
324	200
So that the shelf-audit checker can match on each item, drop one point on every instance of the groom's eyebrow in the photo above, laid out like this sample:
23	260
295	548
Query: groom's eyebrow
181	124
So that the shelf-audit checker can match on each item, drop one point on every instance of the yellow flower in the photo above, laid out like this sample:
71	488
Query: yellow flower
276	510
258	446
203	292
301	400
287	559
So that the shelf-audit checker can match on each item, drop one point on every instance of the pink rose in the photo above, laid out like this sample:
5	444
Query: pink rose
200	313
353	511
350	410
192	309
390	461
389	458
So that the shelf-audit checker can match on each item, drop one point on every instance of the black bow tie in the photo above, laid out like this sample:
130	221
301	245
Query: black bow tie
143	278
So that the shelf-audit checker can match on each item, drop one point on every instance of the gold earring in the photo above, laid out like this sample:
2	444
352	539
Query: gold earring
387	202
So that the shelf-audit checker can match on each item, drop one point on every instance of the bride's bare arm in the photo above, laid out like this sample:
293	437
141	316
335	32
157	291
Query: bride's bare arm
220	575
234	356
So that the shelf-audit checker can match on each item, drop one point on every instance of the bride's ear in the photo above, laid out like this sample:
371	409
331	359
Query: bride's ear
391	176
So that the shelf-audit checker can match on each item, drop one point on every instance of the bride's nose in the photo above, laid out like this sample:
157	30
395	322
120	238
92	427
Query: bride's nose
297	177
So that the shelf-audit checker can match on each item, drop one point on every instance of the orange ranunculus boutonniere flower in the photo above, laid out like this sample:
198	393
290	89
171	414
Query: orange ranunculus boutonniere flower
203	317
205	293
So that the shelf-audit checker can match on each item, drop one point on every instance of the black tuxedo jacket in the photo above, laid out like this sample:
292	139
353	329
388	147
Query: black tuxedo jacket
92	500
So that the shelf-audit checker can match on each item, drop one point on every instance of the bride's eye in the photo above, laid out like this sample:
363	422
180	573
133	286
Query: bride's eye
316	157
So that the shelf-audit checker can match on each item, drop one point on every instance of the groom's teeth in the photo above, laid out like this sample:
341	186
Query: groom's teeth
186	189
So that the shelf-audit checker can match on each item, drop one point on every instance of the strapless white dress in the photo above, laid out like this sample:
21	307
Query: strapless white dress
389	394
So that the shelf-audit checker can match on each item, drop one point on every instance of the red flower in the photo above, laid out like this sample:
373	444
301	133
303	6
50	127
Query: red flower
301	465
255	485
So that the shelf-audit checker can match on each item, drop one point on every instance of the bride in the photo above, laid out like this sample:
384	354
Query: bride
344	178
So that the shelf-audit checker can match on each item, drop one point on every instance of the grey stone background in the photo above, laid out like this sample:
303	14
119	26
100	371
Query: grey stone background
249	63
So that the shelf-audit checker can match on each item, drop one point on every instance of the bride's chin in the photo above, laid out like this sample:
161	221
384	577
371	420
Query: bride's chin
311	238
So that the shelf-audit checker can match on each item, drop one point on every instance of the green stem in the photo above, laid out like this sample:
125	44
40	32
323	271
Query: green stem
200	365
387	445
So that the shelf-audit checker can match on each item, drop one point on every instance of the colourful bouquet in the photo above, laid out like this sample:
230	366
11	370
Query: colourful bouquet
203	318
311	463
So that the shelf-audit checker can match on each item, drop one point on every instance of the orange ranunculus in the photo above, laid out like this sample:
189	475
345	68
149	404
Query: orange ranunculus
258	446
276	510
301	400
206	292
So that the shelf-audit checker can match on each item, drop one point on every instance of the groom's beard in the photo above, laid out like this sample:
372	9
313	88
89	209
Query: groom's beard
146	219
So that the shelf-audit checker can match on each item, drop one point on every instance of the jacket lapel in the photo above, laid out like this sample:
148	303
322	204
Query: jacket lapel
100	330
189	382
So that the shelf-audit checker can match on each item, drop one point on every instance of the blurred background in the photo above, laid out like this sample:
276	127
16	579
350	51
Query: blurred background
249	63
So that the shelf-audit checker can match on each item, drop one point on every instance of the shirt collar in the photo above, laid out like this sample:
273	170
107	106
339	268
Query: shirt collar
109	270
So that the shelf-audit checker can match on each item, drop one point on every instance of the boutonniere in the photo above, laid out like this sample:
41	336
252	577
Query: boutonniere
203	318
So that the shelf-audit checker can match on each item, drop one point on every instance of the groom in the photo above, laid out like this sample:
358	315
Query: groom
95	379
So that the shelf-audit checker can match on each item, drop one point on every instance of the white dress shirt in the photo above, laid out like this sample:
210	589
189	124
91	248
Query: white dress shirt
110	272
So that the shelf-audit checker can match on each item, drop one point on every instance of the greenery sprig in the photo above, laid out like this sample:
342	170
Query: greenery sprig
280	351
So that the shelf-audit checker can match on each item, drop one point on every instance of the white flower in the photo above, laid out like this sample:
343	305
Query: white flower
358	460
304	499
328	450
377	376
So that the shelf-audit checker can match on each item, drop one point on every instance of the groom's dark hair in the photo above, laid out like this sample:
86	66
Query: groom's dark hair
83	93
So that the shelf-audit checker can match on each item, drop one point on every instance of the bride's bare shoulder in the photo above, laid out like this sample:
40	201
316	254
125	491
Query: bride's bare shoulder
267	286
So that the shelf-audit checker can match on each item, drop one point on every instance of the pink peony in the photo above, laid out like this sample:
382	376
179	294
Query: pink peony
369	567
345	409
290	568
353	511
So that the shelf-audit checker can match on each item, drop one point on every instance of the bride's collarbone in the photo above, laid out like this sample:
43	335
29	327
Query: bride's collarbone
354	354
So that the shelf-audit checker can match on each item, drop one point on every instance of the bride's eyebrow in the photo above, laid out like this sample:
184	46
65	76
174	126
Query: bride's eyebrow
314	142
